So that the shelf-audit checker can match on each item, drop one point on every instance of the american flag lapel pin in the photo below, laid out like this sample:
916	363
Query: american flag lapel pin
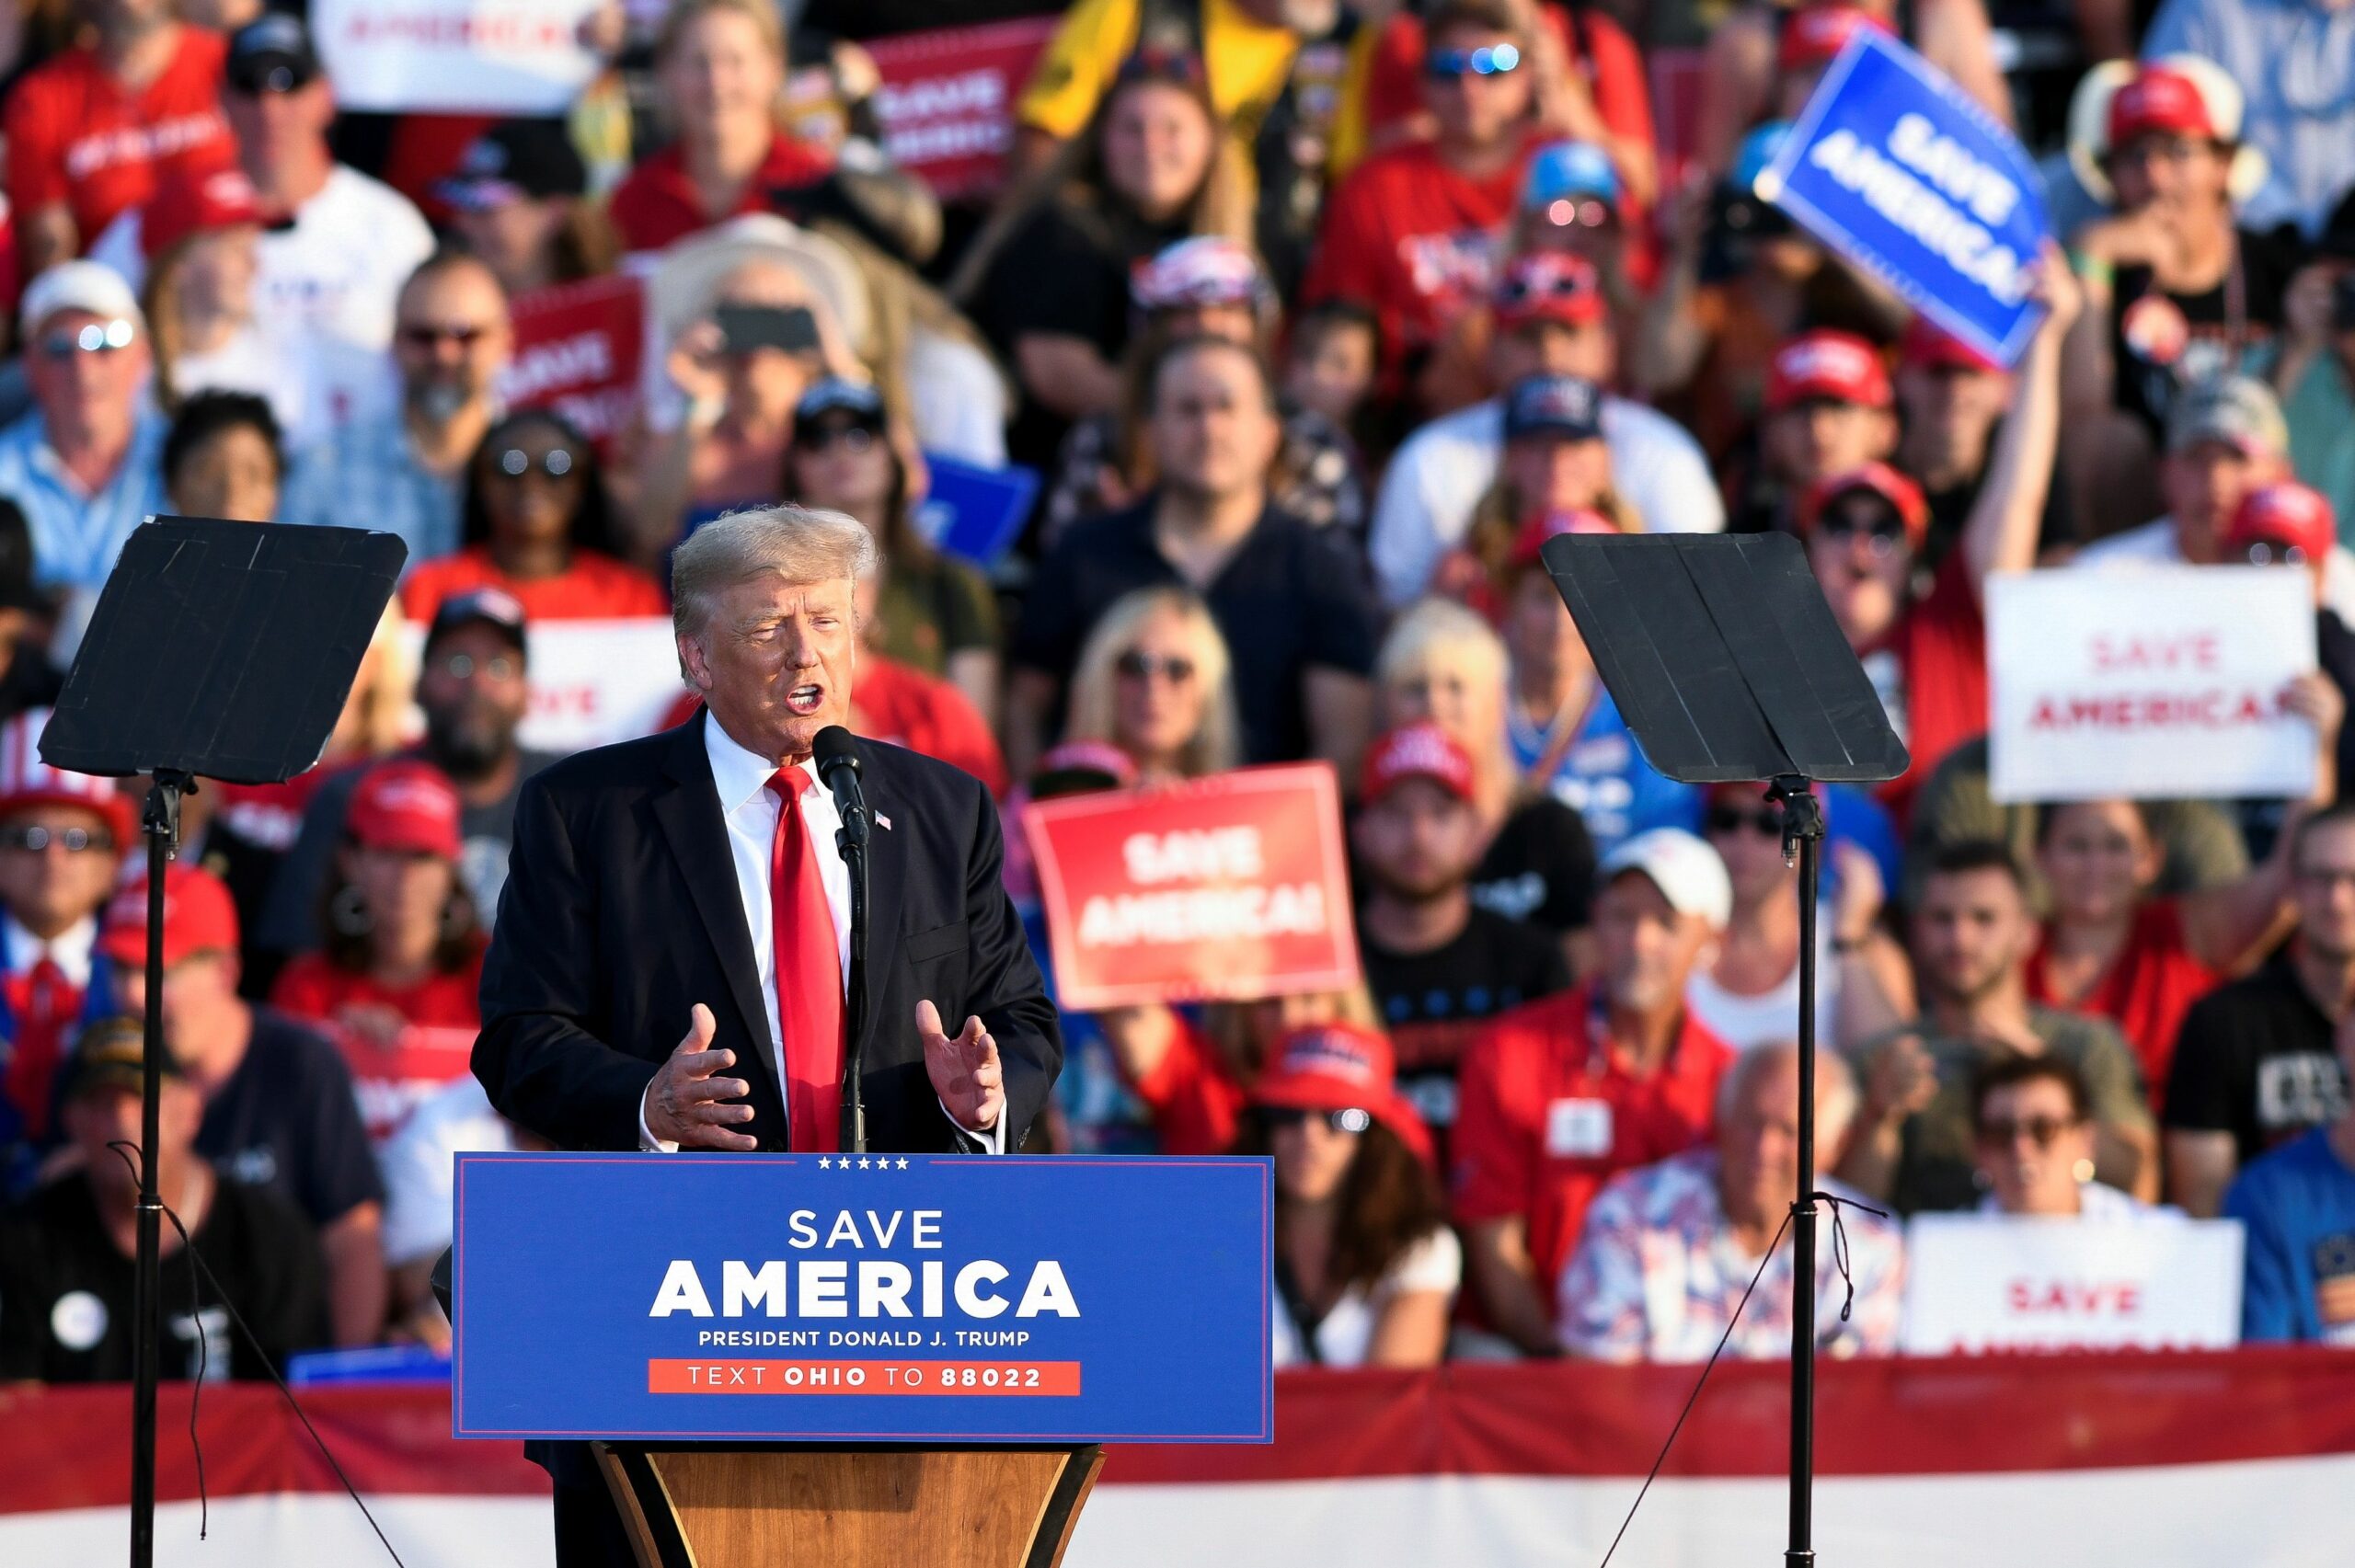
881	820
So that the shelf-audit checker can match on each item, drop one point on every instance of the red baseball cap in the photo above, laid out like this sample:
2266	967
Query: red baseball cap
1341	1067
1415	752
1927	345
26	780
1883	481
2286	513
1814	35
199	917
199	204
1839	367
2161	100
1531	539
1547	286
406	805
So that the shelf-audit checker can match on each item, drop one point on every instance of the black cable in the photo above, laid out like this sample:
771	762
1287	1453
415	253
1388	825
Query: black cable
196	1320
271	1367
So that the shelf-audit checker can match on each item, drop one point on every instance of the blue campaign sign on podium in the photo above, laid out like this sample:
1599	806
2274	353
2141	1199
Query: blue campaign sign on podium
1901	173
887	1298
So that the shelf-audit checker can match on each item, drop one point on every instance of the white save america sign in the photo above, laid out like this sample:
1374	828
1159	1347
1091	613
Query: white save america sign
1983	1282
594	681
456	56
2154	683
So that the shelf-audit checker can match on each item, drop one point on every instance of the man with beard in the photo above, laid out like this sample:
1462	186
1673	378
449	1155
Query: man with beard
403	471
471	688
1437	966
1560	1095
1973	930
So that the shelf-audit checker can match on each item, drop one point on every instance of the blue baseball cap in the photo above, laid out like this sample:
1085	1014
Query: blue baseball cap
1757	150
1567	171
1565	406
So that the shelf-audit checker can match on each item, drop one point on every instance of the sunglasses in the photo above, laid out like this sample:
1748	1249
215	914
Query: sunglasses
73	841
819	438
1351	1120
1566	213
1766	821
2039	1131
431	336
1140	666
95	338
1452	64
515	463
462	666
1521	289
1882	525
2264	553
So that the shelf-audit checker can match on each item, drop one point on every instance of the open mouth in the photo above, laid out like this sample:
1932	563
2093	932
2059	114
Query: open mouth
804	700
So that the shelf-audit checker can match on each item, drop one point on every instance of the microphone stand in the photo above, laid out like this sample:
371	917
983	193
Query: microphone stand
1803	835
841	773
161	824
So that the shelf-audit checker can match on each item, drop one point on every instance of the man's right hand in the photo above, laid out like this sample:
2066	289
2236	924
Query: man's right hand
1903	1081
686	1104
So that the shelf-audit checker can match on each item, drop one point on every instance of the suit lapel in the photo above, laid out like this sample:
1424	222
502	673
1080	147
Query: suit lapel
886	879
689	815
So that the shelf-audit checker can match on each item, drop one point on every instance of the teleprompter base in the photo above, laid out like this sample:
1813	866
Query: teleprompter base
869	1507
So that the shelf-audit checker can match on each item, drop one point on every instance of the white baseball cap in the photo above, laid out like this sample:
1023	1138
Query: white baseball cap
79	285
1684	868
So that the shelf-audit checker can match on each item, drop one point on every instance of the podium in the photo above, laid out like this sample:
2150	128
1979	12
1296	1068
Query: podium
831	1361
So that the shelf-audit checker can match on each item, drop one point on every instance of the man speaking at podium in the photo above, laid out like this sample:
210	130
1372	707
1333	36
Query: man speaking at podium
669	967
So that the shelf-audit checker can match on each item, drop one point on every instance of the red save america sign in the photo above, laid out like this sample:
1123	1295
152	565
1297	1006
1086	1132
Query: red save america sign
577	351
946	102
1235	886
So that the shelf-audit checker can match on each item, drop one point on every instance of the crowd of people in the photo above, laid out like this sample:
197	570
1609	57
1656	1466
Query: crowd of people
1316	320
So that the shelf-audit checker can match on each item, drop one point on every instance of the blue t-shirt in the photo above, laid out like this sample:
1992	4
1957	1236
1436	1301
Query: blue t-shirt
2297	1205
1605	780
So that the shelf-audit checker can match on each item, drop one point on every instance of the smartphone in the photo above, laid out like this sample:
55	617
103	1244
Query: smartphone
743	328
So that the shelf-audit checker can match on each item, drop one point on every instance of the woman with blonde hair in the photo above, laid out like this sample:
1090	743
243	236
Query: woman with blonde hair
1442	664
1155	679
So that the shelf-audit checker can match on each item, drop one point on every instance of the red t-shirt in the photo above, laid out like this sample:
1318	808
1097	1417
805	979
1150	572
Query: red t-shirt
2145	991
401	1046
657	205
593	587
1544	1116
76	136
1414	241
1932	668
1196	1105
891	702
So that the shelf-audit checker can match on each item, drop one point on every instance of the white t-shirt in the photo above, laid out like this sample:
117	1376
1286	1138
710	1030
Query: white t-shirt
1746	1021
1442	470
340	269
420	1175
313	383
1346	1334
2154	544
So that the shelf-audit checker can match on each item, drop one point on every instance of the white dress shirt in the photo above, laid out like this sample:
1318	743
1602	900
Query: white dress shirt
71	951
750	809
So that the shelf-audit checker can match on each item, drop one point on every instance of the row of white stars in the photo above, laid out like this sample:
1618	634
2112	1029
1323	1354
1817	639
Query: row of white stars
844	1162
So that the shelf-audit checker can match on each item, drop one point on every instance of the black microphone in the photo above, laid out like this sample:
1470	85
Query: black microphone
838	766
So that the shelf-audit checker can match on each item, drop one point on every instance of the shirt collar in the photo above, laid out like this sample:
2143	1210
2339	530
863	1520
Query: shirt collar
72	950
741	776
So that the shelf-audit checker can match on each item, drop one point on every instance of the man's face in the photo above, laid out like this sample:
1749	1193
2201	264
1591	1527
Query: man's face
1758	1144
273	128
199	992
1475	108
1953	407
2204	484
1861	557
1646	950
1972	933
2324	891
1553	348
451	339
52	887
474	696
1418	840
774	662
86	370
1553	473
1818	437
720	73
1213	433
106	1113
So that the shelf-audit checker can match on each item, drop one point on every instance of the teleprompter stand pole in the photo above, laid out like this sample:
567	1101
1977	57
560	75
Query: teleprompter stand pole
161	826
1803	834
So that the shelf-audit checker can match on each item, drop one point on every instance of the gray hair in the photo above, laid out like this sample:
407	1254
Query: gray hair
795	544
1835	1087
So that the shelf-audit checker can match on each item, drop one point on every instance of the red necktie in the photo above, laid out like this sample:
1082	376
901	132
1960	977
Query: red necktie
809	974
50	1004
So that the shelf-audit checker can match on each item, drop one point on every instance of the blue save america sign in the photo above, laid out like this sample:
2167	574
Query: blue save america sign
900	1298
1896	168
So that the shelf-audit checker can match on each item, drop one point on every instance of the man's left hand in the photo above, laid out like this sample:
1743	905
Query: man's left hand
964	1071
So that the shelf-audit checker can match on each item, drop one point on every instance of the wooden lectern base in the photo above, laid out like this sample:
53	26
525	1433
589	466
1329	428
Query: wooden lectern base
714	1506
